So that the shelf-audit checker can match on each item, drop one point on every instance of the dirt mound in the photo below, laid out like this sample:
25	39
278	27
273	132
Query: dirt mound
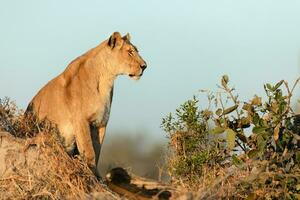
38	168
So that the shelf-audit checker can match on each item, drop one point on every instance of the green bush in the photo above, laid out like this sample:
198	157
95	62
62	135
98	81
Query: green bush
234	133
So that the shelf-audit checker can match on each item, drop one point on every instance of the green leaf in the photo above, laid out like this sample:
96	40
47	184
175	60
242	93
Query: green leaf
217	130
256	119
261	143
247	107
258	129
224	80
219	112
229	110
278	85
236	161
253	153
230	138
269	86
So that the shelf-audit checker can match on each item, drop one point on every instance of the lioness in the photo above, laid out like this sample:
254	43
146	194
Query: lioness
79	99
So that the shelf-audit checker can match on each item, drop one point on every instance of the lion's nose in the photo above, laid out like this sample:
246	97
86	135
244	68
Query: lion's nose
143	66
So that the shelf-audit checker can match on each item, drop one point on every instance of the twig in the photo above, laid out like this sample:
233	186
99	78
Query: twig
243	148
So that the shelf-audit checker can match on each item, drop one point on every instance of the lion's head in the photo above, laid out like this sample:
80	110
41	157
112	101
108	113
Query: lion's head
126	57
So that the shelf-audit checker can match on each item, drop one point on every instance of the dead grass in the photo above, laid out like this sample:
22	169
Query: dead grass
253	180
39	168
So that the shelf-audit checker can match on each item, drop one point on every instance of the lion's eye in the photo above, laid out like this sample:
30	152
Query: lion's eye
130	52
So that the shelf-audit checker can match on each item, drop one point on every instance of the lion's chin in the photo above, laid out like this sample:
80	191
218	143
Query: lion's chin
135	77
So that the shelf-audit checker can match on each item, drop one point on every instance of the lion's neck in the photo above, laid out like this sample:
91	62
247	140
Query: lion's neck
95	58
92	71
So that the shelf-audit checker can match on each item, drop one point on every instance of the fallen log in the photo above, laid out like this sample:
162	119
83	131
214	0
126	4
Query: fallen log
138	188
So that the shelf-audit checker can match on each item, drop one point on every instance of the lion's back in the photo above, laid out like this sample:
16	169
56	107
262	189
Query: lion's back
48	101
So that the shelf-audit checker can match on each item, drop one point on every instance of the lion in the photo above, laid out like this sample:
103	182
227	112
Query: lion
78	101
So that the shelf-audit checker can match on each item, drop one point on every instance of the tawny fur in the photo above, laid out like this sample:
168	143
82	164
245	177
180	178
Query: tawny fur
81	96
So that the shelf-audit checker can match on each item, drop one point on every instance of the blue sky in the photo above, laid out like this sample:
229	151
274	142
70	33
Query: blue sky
188	45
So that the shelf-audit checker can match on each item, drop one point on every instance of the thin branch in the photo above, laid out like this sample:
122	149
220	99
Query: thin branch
244	149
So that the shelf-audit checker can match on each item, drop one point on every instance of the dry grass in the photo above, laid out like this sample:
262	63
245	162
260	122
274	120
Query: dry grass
40	168
252	180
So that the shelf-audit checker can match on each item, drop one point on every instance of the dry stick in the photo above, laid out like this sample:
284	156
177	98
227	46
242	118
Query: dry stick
234	101
295	84
41	194
243	148
229	91
223	108
219	180
290	94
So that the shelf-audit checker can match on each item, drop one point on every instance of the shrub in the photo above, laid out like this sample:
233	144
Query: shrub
230	133
191	144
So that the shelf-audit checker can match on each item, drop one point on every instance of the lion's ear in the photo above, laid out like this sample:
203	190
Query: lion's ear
127	37
115	40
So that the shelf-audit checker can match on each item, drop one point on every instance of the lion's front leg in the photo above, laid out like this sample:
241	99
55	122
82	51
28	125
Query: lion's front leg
85	145
101	134
97	139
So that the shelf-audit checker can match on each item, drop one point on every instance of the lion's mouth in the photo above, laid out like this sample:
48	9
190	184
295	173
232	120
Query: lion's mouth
135	76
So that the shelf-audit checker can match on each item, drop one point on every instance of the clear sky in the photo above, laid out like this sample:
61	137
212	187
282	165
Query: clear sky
188	45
